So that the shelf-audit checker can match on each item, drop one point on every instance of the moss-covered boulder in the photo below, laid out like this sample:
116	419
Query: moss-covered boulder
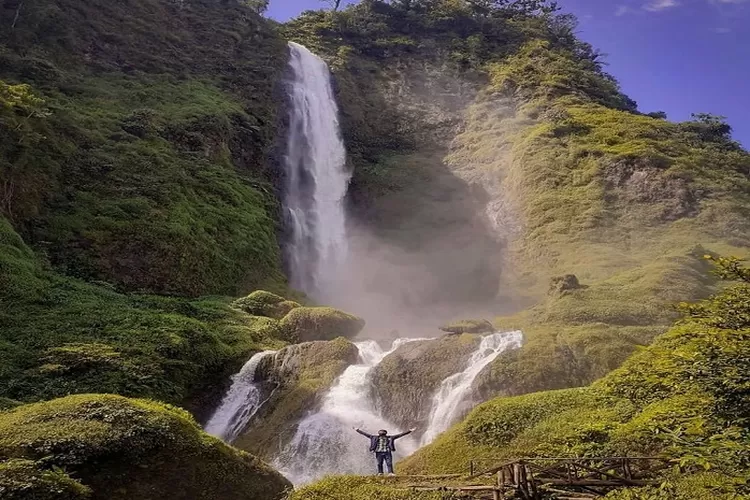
469	326
406	379
262	303
110	447
305	324
302	374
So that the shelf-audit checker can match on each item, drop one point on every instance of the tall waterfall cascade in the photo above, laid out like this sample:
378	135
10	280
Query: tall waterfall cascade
316	176
325	442
455	390
316	182
241	402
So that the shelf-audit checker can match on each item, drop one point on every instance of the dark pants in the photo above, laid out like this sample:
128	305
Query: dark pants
387	458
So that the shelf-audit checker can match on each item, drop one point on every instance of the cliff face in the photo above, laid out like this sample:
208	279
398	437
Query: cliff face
497	146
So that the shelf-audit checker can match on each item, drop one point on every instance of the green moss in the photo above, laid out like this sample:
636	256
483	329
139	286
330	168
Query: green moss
128	449
262	303
61	336
469	326
27	480
304	324
145	165
490	428
360	488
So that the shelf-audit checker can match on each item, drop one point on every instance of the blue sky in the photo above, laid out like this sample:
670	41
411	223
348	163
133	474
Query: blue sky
677	56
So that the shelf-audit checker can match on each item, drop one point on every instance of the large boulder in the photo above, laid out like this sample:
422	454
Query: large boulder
469	326
298	376
262	303
107	447
407	379
305	324
560	285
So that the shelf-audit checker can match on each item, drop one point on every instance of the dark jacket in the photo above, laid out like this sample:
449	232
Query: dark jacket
391	440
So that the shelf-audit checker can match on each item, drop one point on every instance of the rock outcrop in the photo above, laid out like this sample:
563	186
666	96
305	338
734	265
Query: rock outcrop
469	326
305	324
563	284
406	379
298	376
109	447
262	303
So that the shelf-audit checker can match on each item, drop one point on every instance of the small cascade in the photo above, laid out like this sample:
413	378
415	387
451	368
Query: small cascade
316	177
240	403
456	389
325	442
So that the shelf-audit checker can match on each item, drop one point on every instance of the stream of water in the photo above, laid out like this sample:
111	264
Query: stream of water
240	403
316	177
325	442
454	391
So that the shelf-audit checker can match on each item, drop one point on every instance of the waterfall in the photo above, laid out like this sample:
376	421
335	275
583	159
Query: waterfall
316	177
325	442
240	403
456	389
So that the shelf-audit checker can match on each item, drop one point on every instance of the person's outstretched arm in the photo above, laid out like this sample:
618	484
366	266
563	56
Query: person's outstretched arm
363	432
404	433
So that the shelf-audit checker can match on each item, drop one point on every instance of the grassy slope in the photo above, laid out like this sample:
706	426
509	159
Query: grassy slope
148	166
684	397
628	203
60	335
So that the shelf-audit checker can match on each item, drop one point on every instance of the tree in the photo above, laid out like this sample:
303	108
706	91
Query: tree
711	128
258	6
335	4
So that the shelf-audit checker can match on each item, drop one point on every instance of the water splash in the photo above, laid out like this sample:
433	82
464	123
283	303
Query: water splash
456	389
241	402
316	176
325	442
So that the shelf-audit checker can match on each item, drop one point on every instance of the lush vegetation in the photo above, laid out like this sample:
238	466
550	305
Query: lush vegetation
685	398
110	447
135	149
60	335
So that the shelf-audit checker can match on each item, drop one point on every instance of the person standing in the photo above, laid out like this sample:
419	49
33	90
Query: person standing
383	445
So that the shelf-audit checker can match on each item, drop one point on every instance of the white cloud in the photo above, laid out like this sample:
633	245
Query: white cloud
723	31
660	5
623	10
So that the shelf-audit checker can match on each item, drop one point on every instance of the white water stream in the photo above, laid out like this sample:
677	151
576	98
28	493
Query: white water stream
456	389
240	403
325	442
316	176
